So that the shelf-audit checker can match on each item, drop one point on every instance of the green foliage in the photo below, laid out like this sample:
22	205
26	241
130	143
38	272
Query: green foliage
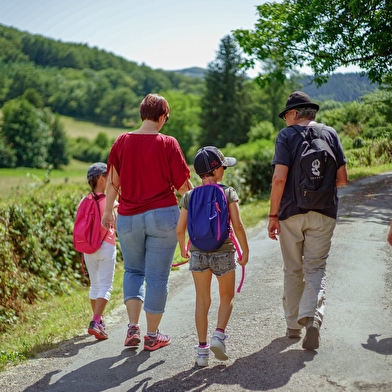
321	35
58	150
27	130
369	153
7	154
85	150
75	80
37	259
225	111
30	136
184	120
340	87
252	175
267	101
263	130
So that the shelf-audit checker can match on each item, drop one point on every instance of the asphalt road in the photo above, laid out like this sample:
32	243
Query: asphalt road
355	353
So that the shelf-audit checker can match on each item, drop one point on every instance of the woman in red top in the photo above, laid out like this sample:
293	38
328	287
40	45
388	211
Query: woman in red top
145	168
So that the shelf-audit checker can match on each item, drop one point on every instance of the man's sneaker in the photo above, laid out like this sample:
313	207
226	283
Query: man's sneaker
133	336
203	353
97	330
293	333
218	346
153	343
311	339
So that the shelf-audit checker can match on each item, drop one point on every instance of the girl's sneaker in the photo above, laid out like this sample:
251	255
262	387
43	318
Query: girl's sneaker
97	330
218	346
203	354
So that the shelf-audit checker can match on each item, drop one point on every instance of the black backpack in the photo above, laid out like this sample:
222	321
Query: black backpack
315	184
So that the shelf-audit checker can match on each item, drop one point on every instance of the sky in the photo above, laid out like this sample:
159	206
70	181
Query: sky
166	34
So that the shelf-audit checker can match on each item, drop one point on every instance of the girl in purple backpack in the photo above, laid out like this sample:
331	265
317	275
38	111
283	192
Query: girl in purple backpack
100	264
210	164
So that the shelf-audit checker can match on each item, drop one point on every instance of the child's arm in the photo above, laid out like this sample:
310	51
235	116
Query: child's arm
239	231
181	230
112	184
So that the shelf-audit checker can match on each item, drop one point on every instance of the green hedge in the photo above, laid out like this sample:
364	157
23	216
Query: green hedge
37	259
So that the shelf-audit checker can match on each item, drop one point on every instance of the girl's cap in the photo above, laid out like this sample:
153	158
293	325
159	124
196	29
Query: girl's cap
96	169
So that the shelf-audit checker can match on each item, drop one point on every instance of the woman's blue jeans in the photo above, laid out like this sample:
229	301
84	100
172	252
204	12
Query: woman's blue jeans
148	241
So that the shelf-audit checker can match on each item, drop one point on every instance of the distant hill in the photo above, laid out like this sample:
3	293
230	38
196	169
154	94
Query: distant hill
194	72
341	87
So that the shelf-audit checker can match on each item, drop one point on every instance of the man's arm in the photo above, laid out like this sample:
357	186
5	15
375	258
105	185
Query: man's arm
341	176
278	183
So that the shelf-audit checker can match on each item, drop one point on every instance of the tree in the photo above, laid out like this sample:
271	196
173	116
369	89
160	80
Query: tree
184	120
323	35
58	149
224	104
27	129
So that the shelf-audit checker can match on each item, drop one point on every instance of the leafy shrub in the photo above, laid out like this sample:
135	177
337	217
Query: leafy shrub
252	176
371	153
37	259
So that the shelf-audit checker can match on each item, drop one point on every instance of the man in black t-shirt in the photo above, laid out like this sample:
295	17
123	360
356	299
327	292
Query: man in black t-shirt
304	235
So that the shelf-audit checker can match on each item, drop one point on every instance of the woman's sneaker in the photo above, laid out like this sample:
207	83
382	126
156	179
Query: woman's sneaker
97	330
203	354
218	346
133	336
153	343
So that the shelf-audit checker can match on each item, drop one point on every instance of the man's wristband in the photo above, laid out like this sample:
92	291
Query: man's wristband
272	215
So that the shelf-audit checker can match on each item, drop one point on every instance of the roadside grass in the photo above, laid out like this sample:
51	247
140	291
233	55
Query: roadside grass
49	323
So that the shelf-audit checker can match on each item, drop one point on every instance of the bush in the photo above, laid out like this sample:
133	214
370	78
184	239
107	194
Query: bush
37	258
253	174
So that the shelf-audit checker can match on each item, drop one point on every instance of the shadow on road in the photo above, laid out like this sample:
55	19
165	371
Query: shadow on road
381	346
68	348
269	368
100	375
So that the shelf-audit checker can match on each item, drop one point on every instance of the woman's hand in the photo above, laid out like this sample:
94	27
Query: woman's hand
107	220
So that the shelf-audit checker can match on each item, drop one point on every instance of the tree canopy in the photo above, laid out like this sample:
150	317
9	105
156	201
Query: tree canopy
322	35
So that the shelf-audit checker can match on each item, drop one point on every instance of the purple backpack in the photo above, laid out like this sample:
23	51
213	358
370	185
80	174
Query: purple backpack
208	217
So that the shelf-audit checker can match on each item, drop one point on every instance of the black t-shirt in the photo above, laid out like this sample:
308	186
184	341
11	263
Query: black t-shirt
287	146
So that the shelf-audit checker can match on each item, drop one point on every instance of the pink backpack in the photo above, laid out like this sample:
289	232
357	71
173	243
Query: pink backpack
87	226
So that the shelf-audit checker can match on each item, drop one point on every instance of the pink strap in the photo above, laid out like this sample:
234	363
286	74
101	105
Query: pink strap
239	253
82	264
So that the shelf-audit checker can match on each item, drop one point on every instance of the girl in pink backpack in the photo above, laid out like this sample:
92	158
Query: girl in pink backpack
100	264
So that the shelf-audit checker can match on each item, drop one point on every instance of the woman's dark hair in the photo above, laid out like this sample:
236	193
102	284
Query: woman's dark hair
153	106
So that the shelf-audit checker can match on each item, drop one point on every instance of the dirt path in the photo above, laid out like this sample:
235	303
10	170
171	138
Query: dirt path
356	348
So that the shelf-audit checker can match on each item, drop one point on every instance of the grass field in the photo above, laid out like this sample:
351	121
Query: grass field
10	179
75	128
74	173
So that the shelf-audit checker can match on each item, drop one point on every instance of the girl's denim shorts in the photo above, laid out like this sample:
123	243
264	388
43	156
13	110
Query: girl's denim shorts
219	263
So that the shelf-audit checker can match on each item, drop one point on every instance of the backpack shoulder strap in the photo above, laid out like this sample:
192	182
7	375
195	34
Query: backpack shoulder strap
97	198
311	131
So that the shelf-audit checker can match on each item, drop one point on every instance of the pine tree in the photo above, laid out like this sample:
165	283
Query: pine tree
224	117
